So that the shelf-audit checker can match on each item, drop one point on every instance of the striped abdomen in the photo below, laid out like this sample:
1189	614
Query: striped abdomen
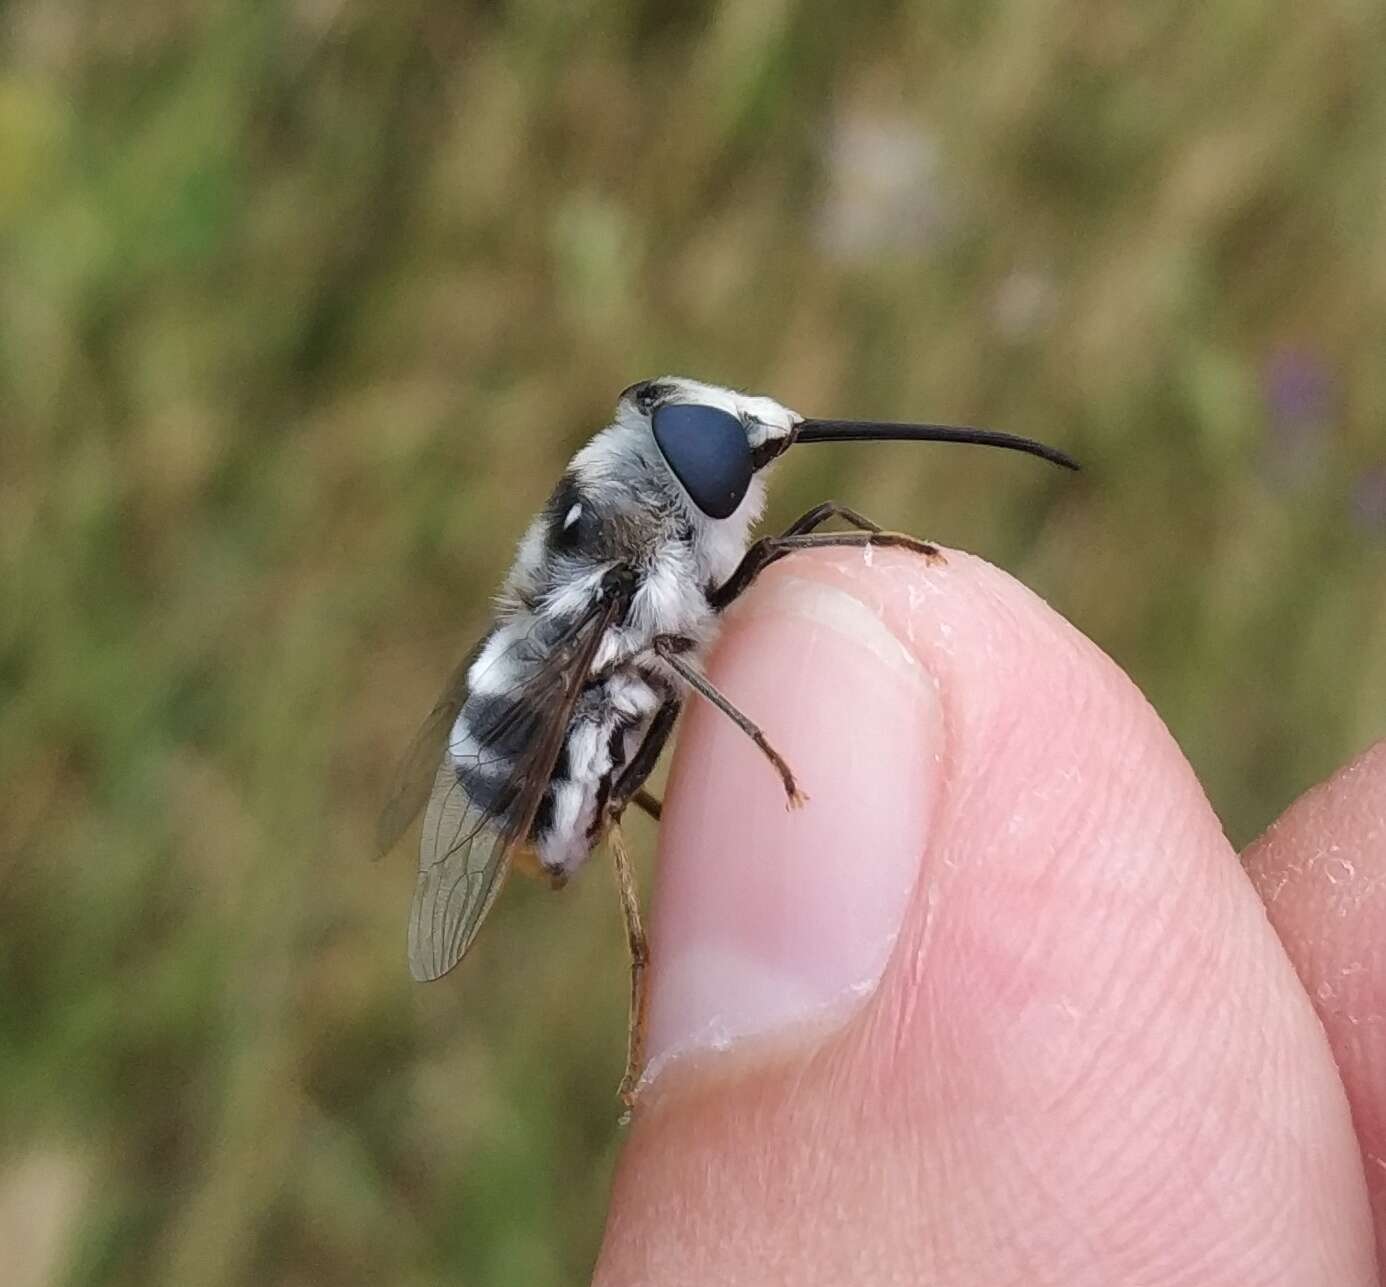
495	740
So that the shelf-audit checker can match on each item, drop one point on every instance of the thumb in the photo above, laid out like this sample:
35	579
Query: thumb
996	1005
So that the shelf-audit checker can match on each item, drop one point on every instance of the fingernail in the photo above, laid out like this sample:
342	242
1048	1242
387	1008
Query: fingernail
763	917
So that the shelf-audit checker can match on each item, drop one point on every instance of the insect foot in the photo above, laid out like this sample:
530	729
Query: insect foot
903	541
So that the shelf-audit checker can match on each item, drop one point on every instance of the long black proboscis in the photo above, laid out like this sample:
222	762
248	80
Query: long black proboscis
895	431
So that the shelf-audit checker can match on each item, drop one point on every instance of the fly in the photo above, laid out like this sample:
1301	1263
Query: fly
548	730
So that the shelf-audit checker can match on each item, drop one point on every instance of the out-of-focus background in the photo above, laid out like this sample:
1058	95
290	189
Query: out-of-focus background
302	308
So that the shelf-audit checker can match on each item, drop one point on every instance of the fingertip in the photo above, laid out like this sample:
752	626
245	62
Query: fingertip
1084	1019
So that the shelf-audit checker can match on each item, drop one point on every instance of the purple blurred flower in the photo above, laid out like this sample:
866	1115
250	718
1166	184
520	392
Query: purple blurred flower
1299	388
1301	404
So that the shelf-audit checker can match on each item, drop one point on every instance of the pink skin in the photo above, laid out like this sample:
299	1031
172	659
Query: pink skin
998	1005
1322	871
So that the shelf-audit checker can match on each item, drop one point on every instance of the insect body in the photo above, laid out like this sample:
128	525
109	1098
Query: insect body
549	729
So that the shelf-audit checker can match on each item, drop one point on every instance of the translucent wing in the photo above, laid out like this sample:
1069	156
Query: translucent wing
414	779
463	860
465	848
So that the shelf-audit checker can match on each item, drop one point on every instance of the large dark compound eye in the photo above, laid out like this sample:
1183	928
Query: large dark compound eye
707	449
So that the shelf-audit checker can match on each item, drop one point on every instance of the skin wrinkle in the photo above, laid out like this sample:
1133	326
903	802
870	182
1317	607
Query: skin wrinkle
1152	1198
1141	935
1131	1138
1125	1219
1044	1244
1115	948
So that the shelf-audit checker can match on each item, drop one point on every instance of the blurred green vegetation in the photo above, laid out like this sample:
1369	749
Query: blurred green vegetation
302	307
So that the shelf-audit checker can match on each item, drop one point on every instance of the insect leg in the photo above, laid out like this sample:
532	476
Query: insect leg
769	549
820	514
639	959
627	788
642	799
671	648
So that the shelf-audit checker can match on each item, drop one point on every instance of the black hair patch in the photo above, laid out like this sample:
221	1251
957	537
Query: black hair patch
573	522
